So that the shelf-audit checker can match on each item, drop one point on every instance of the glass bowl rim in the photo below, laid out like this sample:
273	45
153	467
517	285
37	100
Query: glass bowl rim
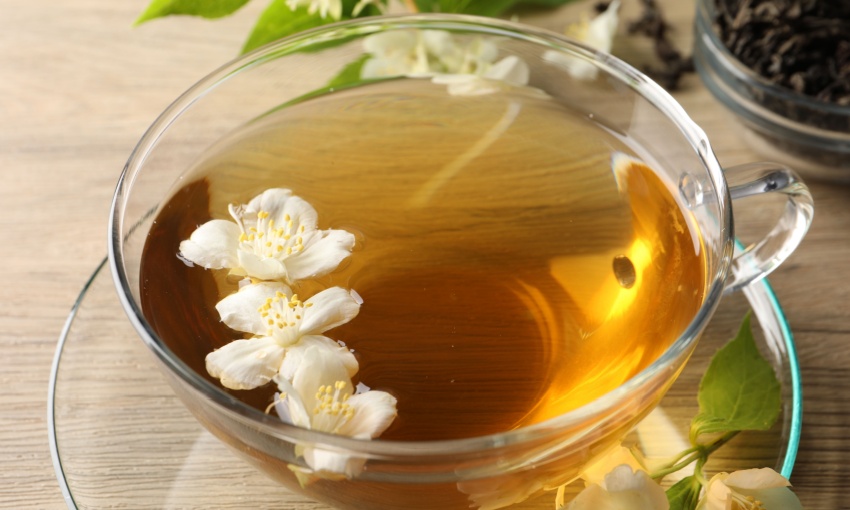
628	75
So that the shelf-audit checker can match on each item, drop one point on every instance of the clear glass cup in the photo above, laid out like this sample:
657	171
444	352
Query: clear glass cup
483	472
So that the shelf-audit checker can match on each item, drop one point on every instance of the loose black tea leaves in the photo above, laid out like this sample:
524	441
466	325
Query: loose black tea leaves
674	65
801	45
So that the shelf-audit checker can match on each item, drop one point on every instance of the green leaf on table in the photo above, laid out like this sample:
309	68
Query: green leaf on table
684	495
350	74
739	391
205	8
279	21
482	7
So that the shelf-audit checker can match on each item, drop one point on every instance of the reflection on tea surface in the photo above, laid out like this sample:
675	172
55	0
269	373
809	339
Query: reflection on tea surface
514	261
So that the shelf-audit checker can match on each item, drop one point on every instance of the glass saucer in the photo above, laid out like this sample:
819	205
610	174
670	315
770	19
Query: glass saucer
121	439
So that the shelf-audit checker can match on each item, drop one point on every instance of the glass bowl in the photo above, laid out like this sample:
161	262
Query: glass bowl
489	471
810	135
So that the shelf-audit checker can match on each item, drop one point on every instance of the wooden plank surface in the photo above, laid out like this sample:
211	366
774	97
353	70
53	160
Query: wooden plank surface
78	86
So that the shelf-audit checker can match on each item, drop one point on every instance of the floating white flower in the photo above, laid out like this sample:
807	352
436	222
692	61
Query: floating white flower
323	7
467	67
274	237
597	33
321	397
622	489
750	489
284	328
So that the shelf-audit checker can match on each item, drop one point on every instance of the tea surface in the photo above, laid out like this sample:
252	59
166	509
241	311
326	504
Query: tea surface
513	263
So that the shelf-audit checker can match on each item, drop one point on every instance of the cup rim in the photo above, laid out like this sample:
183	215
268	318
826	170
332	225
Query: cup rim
672	358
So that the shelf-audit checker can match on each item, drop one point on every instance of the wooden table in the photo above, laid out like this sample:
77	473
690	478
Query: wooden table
79	85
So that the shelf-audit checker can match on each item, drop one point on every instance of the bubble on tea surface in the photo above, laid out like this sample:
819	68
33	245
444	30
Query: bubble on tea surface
624	271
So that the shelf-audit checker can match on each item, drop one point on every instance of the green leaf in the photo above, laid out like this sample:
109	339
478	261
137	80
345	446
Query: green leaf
739	391
684	495
482	7
350	74
279	21
203	8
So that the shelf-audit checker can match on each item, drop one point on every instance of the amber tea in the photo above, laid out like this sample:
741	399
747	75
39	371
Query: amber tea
515	259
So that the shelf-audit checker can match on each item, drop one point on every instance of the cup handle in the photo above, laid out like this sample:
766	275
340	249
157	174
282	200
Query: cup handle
757	260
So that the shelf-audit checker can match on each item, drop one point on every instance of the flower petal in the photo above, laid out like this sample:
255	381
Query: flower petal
328	309
391	41
623	489
295	355
324	253
290	408
262	268
323	461
299	212
776	497
213	245
245	364
763	478
511	70
239	310
601	30
317	367
620	455
271	201
374	412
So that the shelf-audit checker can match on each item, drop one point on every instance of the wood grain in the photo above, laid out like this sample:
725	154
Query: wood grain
78	86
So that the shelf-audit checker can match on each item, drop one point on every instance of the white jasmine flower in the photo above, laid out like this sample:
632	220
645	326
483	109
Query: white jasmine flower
510	72
363	3
622	489
501	492
323	7
598	470
468	68
321	397
751	489
284	328
274	237
597	33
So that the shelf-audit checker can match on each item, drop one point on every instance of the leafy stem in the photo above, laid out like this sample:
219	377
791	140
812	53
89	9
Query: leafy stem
699	453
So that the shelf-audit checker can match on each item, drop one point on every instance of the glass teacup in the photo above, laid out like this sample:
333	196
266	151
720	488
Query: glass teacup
488	471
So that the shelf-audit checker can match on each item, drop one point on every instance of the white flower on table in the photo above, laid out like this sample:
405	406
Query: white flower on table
597	33
467	67
750	489
320	397
274	237
325	8
284	329
622	489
